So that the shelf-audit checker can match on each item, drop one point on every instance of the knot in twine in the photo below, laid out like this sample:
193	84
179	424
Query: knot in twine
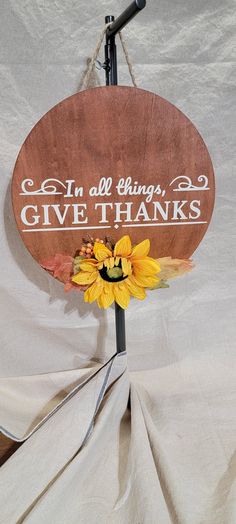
90	68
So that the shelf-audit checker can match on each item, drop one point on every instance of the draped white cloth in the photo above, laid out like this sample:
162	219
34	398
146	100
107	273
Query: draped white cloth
168	454
139	447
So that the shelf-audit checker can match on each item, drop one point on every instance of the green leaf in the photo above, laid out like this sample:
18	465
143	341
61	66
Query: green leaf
76	265
161	285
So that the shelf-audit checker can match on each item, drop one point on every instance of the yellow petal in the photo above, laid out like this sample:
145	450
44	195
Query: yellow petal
106	263
117	261
106	298
101	252
123	247
147	266
99	303
126	267
145	281
93	292
134	289
88	265
84	278
141	250
122	295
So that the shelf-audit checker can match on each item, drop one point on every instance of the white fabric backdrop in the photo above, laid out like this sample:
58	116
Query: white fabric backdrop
185	336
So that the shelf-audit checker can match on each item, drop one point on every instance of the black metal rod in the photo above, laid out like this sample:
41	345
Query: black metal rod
110	67
120	329
111	79
125	17
110	57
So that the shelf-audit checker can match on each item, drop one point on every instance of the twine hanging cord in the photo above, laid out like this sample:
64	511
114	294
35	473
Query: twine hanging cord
91	65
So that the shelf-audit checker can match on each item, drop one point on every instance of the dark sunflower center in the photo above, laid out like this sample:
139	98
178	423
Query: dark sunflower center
114	274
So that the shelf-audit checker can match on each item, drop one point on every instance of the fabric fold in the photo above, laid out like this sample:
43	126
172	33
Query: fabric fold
129	447
47	454
27	402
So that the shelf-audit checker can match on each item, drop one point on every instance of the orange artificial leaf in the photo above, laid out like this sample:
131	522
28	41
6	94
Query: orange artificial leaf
61	266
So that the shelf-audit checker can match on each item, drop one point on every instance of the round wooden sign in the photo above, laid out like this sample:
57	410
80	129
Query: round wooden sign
112	161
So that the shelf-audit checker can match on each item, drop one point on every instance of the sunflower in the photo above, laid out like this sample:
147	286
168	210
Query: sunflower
116	274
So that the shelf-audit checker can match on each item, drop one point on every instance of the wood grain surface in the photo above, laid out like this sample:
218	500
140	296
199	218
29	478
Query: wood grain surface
116	132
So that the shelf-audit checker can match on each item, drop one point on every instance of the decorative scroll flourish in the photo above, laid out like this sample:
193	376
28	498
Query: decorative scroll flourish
186	184
48	187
